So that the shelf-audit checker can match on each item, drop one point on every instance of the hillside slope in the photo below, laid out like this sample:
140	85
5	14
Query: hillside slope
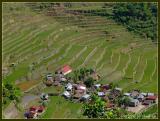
36	43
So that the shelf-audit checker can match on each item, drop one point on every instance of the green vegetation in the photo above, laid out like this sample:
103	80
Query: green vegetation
89	82
47	36
10	93
59	107
138	17
140	116
152	110
95	109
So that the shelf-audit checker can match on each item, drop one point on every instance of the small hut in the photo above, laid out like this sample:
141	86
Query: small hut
44	96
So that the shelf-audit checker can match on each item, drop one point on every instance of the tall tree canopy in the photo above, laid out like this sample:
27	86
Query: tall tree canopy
10	93
138	17
94	109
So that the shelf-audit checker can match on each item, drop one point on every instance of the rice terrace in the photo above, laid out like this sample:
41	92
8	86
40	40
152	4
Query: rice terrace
79	60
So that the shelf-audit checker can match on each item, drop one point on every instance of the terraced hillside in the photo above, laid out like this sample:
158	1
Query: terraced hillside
37	43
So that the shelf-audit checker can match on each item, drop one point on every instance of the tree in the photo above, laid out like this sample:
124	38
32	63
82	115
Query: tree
94	109
10	92
140	18
123	101
110	114
89	82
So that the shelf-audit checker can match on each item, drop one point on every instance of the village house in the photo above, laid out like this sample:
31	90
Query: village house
118	89
49	77
66	94
116	92
79	91
66	69
60	75
34	111
44	96
141	98
78	94
69	87
31	115
56	83
81	87
63	79
85	97
147	102
127	94
49	83
135	94
153	98
150	94
133	102
58	78
101	94
144	94
104	88
97	86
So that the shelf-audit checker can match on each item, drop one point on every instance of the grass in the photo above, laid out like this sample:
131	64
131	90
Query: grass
20	71
123	61
151	110
58	108
79	61
27	84
71	44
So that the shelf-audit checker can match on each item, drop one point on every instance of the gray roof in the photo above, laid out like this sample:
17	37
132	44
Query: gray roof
150	94
97	85
141	96
127	94
66	93
119	89
143	93
101	93
69	86
86	96
134	100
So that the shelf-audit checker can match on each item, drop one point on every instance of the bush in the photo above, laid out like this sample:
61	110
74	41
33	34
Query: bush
89	82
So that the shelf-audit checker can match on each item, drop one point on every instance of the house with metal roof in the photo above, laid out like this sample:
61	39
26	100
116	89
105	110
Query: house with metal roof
66	69
85	97
69	87
66	94
133	102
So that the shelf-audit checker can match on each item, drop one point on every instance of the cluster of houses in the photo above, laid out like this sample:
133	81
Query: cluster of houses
78	92
59	77
137	97
35	111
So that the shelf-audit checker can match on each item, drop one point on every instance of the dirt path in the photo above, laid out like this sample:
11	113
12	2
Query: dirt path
11	112
27	99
